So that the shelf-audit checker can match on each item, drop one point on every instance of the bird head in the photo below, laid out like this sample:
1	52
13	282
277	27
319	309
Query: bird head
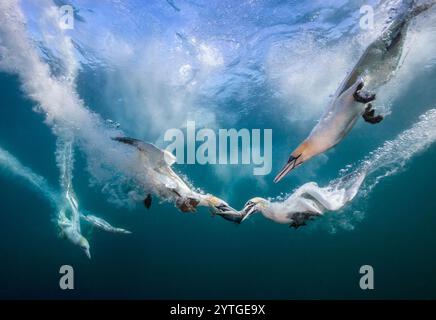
297	157
84	245
254	205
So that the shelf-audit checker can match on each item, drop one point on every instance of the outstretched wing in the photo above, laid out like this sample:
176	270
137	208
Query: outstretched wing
155	155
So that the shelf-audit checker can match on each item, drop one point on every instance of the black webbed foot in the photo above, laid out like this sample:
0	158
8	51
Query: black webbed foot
297	225
370	117
363	96
148	201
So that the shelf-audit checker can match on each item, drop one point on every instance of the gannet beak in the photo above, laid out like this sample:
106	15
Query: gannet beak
289	166
85	247
88	253
227	212
248	211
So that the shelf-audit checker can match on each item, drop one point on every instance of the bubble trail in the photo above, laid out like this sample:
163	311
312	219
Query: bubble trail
13	167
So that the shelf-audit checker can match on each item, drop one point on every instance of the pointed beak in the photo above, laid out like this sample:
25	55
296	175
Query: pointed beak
227	212
290	165
88	253
248	211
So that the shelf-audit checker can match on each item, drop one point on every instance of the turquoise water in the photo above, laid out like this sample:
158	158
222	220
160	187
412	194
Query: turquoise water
271	64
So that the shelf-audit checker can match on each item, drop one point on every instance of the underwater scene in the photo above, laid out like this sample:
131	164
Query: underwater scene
221	149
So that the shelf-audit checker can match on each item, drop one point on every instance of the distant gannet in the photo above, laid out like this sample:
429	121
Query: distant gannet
70	227
307	202
375	67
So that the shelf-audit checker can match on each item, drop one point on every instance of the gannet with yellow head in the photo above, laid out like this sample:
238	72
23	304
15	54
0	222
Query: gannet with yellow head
157	165
352	100
306	203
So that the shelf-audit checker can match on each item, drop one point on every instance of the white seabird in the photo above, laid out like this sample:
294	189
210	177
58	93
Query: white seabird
307	202
157	166
375	67
70	227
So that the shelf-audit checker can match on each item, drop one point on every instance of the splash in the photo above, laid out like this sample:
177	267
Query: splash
115	167
387	160
310	200
394	154
56	96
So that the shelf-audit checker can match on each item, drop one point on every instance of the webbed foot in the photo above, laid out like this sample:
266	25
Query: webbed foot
148	201
370	117
363	96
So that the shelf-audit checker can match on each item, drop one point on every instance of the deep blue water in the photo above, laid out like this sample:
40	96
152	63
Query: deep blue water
175	255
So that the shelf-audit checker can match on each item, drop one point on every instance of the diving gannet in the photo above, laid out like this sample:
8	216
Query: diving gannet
156	164
70	227
306	203
375	67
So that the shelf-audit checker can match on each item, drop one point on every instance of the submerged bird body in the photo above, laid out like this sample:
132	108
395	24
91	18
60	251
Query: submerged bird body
352	100
71	232
70	227
307	202
336	122
156	165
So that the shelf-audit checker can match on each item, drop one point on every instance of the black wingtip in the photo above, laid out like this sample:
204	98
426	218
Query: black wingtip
125	140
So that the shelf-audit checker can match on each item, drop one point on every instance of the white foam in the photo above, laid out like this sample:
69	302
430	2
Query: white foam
394	154
307	69
108	161
361	178
385	161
